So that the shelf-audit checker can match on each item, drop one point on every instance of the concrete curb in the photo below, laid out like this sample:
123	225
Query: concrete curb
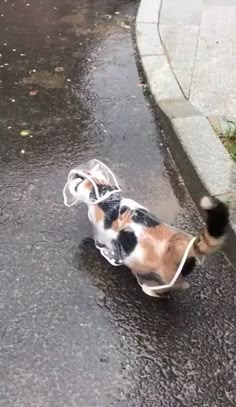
205	164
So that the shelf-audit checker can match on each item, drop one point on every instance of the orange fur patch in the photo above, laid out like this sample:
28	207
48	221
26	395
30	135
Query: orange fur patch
123	221
161	251
87	184
99	214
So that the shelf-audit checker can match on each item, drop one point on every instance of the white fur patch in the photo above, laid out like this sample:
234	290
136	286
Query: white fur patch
137	229
136	256
131	204
105	236
207	203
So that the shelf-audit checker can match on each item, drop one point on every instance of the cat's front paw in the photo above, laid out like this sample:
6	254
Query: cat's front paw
111	257
99	245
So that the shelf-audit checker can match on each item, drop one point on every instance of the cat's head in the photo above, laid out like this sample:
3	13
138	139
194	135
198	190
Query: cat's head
79	189
90	182
87	187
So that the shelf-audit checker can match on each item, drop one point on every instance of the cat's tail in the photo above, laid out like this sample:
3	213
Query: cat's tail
211	238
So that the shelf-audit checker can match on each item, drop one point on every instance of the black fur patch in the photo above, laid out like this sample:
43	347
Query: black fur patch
217	219
102	189
123	209
188	266
145	218
142	217
127	240
111	211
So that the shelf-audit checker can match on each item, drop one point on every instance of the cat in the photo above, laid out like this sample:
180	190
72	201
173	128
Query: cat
127	233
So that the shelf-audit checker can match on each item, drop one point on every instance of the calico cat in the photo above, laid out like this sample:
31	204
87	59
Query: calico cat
127	233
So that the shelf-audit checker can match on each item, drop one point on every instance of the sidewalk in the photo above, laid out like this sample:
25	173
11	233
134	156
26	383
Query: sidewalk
188	52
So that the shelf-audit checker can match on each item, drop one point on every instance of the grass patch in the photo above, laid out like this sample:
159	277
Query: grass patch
229	138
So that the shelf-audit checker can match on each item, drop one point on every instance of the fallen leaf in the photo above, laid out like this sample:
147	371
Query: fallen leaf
24	133
33	92
124	25
59	69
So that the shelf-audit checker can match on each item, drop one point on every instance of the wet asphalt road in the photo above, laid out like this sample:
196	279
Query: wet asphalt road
73	330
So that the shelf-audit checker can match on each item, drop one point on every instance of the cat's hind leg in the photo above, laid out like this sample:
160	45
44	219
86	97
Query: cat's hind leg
151	284
147	281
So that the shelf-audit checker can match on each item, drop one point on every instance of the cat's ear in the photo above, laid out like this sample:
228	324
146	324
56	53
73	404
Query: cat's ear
70	191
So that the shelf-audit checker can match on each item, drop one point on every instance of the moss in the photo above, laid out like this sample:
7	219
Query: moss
229	138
